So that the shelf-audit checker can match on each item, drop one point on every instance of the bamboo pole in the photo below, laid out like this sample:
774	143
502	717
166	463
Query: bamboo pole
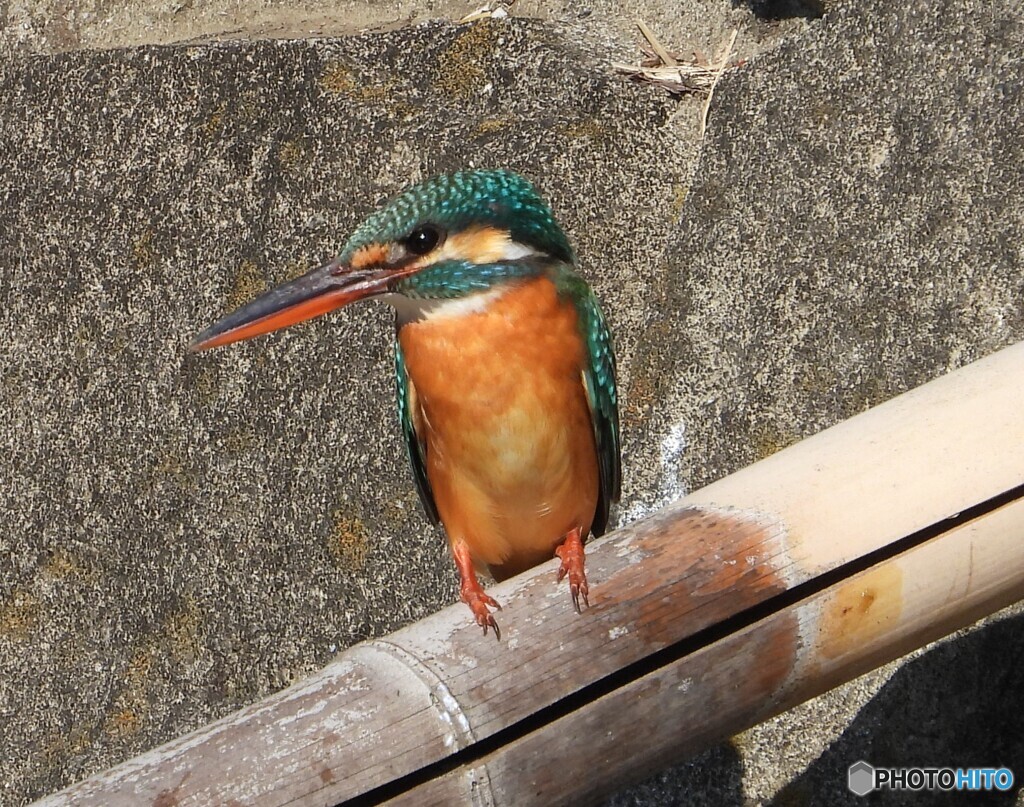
689	703
743	599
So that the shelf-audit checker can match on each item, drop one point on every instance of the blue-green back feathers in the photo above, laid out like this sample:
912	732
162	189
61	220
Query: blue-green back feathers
602	395
414	442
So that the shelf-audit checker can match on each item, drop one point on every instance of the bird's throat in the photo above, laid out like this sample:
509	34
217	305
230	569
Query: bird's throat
409	310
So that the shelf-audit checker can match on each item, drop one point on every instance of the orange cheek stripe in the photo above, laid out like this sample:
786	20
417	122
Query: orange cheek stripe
477	244
370	255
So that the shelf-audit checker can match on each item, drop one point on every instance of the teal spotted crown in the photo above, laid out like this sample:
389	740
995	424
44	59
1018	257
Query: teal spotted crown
499	199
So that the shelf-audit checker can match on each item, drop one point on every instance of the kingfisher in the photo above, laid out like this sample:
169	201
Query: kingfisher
504	366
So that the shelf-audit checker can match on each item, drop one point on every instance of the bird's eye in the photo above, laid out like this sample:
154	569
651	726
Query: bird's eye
424	239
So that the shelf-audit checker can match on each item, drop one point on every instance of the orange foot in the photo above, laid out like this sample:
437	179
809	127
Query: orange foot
478	601
472	592
571	555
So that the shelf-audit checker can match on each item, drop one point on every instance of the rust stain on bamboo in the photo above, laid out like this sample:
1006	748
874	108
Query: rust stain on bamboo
758	663
326	775
725	562
860	611
170	797
652	585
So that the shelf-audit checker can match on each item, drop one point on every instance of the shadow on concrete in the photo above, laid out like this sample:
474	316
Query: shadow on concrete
784	9
714	777
958	705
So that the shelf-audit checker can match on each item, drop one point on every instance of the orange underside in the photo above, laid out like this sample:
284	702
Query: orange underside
510	446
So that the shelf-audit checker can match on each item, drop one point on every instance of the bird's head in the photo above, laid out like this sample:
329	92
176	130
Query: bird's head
442	238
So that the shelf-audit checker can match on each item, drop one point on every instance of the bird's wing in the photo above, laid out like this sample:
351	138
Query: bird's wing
411	416
599	383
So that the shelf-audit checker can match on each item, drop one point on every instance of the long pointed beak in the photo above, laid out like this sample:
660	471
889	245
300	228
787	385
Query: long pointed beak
317	292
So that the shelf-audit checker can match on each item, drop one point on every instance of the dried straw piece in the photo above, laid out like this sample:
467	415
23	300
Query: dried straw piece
499	12
675	75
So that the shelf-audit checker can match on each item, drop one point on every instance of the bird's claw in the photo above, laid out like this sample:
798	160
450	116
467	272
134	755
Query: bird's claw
478	603
577	590
472	592
571	555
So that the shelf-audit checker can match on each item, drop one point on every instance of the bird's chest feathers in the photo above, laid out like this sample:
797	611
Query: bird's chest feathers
497	374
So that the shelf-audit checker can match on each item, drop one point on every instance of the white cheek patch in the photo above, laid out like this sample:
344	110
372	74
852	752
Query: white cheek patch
514	251
410	309
463	306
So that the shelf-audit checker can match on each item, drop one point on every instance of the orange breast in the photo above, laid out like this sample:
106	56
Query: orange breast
510	446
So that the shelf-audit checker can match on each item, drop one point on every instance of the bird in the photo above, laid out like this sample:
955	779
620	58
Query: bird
504	365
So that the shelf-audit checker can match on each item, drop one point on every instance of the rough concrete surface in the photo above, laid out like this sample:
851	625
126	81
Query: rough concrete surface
855	227
185	534
52	26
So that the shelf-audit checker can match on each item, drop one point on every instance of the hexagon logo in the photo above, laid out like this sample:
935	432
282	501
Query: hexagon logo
860	779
